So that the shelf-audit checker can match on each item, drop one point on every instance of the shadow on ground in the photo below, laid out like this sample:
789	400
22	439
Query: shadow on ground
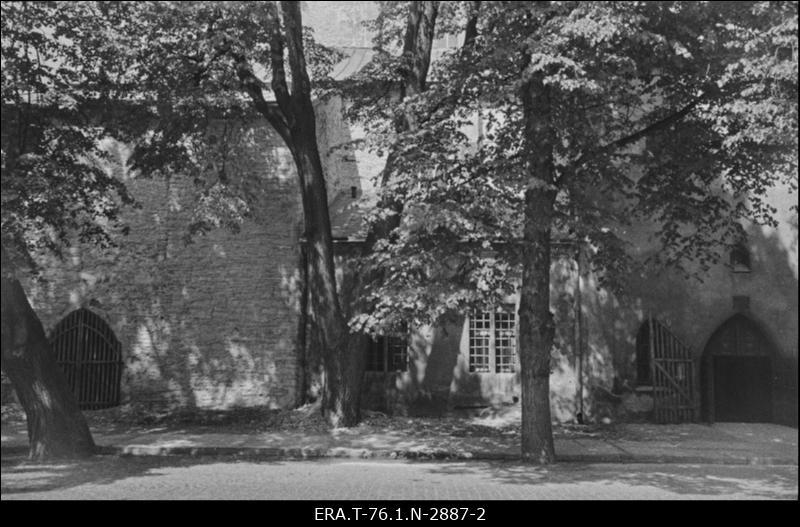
21	476
710	480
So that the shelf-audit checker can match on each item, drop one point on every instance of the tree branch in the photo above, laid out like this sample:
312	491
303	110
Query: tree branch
276	46
417	44
278	117
252	86
470	35
471	30
644	132
292	20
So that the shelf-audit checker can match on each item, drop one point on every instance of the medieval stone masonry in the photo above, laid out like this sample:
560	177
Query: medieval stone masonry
213	322
205	323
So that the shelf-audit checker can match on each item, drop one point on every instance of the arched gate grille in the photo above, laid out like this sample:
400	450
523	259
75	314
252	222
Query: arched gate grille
90	356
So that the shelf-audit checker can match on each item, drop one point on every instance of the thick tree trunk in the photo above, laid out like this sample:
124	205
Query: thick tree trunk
343	364
294	121
536	324
56	426
343	353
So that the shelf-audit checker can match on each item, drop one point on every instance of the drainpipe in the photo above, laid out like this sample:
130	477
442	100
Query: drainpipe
579	326
301	380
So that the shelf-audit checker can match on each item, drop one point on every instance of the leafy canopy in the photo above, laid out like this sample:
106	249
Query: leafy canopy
163	78
679	116
55	177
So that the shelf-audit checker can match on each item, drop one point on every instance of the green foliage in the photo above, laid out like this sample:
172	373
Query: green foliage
162	77
682	115
57	174
677	115
185	62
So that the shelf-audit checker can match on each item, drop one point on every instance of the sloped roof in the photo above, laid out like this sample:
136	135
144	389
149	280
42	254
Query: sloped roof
355	59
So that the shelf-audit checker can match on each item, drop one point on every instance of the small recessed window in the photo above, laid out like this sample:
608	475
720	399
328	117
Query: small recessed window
388	353
786	54
740	259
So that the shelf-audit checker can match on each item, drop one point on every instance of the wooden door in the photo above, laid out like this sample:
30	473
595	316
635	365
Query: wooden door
739	370
674	389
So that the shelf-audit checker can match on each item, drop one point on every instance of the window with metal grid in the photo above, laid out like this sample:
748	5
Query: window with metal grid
493	341
480	341
90	355
505	342
388	353
397	353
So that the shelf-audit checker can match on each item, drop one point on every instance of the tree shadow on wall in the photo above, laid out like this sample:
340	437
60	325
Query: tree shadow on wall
693	310
195	292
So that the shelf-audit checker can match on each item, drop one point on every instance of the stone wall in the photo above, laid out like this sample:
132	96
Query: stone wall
208	321
594	356
438	378
694	308
213	323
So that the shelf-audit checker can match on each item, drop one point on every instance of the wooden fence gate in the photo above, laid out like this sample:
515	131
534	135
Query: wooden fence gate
90	356
675	394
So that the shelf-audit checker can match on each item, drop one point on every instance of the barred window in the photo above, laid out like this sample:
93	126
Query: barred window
505	342
493	341
388	353
397	353
480	341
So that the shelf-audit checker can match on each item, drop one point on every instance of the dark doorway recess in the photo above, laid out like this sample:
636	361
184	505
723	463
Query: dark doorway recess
742	389
738	371
90	356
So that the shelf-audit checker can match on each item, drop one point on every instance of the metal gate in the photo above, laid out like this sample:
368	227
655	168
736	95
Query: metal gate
90	356
675	397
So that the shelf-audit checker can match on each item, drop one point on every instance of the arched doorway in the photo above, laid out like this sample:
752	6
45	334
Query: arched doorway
90	356
737	370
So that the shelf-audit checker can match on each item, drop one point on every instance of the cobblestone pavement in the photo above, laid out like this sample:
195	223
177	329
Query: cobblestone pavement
110	477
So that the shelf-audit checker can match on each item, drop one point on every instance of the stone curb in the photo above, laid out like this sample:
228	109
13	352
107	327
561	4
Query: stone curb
276	453
296	454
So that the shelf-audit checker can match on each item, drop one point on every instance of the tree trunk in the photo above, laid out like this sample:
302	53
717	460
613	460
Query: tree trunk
293	119
56	426
303	375
342	361
342	364
343	353
536	325
417	46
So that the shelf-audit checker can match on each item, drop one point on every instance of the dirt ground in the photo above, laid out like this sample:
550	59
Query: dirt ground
486	422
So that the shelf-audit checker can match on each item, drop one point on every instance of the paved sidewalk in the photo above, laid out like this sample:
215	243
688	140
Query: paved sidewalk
723	443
